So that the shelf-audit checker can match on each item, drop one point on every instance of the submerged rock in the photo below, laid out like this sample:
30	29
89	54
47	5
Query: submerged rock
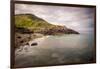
33	44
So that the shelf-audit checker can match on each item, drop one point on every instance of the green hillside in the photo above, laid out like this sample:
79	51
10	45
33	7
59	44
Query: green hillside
30	22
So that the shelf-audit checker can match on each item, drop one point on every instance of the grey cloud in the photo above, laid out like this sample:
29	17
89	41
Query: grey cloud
69	16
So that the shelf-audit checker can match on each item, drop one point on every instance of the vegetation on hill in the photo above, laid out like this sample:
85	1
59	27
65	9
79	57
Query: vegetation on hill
31	22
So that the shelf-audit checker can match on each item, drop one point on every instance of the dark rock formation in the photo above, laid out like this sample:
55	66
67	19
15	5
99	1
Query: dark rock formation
33	44
21	39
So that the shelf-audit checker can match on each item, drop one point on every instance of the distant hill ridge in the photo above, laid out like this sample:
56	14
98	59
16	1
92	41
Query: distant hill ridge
29	23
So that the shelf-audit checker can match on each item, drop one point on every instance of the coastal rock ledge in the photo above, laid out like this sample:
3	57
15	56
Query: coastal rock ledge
27	26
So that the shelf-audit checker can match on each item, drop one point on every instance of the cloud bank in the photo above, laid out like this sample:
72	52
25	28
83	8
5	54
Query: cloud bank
77	18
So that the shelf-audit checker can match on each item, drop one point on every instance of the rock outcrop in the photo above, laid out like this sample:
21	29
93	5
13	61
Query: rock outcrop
57	30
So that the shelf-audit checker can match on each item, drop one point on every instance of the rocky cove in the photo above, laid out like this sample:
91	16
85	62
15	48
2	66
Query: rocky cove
23	36
29	27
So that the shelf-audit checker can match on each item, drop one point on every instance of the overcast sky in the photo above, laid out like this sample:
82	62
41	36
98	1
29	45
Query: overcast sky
77	18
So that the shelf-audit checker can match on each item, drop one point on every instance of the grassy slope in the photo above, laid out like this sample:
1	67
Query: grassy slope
31	22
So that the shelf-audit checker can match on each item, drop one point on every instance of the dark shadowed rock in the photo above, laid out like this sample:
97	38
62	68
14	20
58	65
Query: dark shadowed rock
33	44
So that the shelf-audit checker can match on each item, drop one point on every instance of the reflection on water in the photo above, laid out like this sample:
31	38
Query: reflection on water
51	50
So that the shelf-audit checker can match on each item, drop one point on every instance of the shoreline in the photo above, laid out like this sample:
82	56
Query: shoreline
29	39
24	39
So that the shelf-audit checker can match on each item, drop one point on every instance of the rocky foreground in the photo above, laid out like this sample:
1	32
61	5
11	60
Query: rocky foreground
23	36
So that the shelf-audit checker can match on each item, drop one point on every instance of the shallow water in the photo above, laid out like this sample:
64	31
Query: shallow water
51	50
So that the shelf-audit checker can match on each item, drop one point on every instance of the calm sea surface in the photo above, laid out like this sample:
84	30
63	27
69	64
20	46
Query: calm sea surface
65	49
